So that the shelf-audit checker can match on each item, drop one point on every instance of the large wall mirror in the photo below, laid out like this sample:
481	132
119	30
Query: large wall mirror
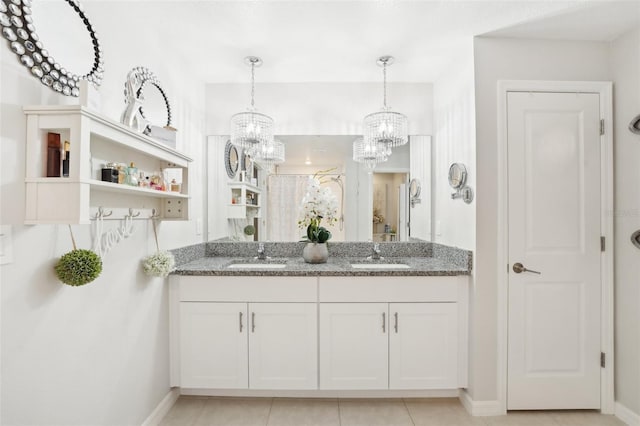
372	207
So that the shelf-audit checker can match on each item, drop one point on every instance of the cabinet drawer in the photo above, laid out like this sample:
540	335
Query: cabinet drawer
248	289
390	289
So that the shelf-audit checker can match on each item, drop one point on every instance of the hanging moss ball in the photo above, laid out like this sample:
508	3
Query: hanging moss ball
159	264
78	267
249	230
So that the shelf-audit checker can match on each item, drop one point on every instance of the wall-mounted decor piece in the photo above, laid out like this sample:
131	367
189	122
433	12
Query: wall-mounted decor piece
19	29
415	188
78	267
458	181
634	126
635	238
231	160
141	80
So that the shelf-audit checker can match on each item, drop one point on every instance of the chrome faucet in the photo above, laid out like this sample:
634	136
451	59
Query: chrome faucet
261	253
376	253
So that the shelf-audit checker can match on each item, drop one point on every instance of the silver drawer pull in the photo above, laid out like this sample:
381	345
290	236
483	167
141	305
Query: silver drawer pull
253	322
240	322
384	322
395	326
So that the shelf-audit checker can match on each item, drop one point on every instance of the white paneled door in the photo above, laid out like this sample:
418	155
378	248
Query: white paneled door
554	250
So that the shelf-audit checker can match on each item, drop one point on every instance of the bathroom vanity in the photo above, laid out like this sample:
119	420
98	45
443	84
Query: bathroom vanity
395	326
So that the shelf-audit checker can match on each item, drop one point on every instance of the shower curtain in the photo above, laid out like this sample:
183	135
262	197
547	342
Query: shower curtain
283	205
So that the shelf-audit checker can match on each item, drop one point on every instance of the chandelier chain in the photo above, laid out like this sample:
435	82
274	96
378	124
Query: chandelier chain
384	74
253	77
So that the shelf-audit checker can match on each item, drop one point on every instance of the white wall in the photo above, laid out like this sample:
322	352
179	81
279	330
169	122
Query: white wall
319	108
97	354
454	142
625	69
508	59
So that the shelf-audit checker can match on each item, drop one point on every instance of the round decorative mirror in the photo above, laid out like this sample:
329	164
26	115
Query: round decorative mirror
457	175
155	106
414	188
231	160
146	103
19	21
635	238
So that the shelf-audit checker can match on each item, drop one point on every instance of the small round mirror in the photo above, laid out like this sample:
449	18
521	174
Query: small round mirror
414	188
231	159
457	175
155	105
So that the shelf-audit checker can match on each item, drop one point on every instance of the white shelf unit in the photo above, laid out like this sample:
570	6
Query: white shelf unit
94	141
242	209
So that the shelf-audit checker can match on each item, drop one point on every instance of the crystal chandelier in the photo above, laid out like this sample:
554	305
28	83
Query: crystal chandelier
369	153
250	129
386	126
269	154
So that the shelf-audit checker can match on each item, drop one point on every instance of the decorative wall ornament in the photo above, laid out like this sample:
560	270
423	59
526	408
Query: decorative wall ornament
133	115
458	181
18	28
634	126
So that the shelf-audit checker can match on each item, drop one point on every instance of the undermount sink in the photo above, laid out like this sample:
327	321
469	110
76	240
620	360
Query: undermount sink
380	266
257	265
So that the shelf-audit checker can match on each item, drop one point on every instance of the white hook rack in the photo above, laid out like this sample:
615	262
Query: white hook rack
122	213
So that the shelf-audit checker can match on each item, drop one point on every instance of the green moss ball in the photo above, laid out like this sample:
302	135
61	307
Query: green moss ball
78	267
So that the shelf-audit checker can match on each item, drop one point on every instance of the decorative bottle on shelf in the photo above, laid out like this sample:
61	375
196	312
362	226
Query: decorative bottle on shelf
132	174
65	159
53	155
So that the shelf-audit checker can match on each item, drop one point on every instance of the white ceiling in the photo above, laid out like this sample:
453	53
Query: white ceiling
323	41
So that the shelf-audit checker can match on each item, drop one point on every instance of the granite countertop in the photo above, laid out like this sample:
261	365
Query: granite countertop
423	259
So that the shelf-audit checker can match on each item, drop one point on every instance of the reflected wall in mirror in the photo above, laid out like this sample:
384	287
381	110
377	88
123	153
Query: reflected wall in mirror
278	195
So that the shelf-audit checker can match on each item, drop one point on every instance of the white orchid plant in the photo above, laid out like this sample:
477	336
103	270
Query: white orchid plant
318	204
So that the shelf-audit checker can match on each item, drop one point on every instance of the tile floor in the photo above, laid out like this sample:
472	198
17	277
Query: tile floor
213	411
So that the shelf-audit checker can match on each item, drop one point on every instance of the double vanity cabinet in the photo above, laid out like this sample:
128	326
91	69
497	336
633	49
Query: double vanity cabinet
323	334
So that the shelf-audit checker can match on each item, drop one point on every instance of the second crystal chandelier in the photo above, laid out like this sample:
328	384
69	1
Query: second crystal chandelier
253	131
382	130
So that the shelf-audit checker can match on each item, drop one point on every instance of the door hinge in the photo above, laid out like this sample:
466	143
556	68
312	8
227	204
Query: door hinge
602	243
602	126
603	360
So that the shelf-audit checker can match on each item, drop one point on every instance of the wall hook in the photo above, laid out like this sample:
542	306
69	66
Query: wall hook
102	214
132	215
154	215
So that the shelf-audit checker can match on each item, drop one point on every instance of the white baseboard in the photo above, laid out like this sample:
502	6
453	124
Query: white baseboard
318	393
626	415
480	408
163	408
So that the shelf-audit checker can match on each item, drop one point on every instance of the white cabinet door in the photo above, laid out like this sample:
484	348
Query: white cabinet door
353	346
283	346
423	345
213	345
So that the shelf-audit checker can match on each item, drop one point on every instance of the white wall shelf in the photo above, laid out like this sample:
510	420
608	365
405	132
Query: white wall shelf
241	209
94	141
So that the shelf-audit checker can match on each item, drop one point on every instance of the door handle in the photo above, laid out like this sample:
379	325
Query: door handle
519	268
253	322
240	322
395	325
384	322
